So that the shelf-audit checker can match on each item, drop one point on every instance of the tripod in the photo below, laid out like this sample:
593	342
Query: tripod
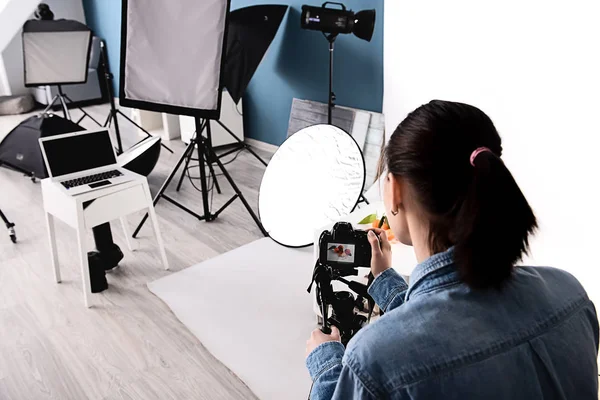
61	97
10	226
237	147
342	303
206	156
114	111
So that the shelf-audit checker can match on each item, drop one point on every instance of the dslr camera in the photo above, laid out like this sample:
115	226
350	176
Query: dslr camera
341	251
344	248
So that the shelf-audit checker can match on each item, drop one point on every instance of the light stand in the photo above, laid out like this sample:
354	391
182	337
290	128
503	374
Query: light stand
332	21
331	100
114	111
205	153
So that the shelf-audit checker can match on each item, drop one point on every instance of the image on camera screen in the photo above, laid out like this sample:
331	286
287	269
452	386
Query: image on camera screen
340	252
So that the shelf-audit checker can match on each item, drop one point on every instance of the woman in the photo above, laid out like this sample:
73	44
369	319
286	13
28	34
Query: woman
470	324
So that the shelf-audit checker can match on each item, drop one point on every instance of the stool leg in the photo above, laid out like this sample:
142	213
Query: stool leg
152	214
126	233
53	250
83	261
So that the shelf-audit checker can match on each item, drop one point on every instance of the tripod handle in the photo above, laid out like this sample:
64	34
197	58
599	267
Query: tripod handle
326	330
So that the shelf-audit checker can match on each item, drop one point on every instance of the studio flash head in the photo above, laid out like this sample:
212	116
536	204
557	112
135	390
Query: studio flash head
334	20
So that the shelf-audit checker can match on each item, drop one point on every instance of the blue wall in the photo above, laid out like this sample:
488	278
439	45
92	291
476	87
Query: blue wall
296	65
104	17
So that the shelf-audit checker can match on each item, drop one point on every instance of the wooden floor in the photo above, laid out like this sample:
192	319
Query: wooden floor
130	345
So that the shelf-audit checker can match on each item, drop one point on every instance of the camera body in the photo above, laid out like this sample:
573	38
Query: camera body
344	248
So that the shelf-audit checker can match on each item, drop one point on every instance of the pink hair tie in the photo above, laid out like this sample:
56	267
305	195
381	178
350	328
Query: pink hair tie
476	152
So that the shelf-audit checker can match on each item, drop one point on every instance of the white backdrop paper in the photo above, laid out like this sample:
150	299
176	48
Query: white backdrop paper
534	68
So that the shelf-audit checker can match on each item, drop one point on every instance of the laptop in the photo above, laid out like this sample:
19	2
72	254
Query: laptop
83	161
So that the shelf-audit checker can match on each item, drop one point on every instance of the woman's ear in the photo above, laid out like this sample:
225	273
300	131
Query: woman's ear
396	185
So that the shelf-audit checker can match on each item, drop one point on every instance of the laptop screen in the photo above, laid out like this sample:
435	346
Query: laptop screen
79	153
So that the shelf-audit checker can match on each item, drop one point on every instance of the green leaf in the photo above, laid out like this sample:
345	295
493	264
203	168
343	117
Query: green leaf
368	219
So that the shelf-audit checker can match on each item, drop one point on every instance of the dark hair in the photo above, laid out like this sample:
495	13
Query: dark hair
478	209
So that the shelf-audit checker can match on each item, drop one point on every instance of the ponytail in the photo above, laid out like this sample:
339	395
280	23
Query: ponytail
469	197
492	226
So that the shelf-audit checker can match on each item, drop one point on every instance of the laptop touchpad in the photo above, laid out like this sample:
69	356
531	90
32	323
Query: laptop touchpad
99	184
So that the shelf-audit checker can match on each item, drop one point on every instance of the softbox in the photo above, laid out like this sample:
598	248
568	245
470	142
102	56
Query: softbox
142	157
55	52
172	55
20	149
250	33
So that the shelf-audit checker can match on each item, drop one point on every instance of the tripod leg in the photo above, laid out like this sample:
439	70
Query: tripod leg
85	113
185	169
3	217
207	156
212	173
142	129
242	143
202	149
61	98
166	183
108	120
238	192
50	105
118	135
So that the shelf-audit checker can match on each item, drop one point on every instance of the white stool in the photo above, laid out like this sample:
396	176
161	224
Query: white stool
107	204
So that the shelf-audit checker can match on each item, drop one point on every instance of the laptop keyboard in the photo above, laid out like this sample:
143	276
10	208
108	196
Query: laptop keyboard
85	180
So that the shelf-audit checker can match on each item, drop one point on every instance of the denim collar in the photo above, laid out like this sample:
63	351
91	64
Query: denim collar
437	271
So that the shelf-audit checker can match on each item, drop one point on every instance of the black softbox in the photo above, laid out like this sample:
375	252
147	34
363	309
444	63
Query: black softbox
251	31
20	149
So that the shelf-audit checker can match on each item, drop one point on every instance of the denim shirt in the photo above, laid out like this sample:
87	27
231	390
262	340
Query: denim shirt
536	338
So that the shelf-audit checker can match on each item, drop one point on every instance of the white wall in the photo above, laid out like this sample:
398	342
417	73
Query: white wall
12	15
534	68
13	53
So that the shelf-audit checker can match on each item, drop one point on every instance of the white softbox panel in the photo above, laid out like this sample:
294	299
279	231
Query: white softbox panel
55	52
172	55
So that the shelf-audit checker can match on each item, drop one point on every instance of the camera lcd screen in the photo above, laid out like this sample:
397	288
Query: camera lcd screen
340	252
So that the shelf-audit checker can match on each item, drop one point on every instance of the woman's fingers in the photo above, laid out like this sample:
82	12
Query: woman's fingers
335	333
385	243
382	235
377	231
374	241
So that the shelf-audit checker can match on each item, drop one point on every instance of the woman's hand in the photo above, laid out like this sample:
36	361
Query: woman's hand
381	251
317	337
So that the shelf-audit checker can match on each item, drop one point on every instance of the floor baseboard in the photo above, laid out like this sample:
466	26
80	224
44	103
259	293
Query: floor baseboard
261	145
